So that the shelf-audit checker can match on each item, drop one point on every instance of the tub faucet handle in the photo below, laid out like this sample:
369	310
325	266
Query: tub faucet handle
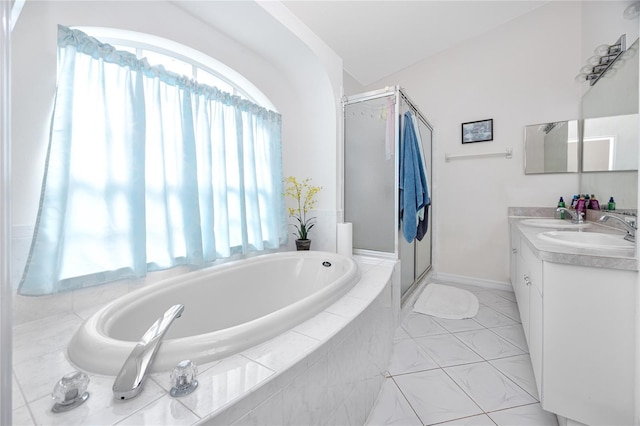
70	391
183	379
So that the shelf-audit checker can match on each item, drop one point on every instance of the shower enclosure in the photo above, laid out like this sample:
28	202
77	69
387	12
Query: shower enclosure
372	142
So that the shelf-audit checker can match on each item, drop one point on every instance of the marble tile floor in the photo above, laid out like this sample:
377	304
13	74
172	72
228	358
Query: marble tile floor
473	372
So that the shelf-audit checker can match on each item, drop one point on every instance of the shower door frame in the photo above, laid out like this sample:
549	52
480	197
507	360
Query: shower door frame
398	95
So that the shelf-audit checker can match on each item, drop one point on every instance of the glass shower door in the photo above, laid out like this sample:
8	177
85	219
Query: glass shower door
369	185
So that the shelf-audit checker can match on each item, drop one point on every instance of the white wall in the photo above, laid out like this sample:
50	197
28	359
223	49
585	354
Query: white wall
351	85
521	73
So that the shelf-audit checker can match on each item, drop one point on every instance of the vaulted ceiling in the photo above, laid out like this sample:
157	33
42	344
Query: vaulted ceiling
379	38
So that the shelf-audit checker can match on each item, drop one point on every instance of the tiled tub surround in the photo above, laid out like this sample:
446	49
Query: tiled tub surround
579	312
327	370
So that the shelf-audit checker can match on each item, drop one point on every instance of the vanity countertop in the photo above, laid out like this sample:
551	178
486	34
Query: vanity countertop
624	259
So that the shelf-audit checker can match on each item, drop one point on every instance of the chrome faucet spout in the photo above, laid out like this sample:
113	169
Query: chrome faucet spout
130	379
630	227
576	217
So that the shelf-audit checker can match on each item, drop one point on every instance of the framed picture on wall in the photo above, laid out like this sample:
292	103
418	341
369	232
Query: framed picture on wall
477	131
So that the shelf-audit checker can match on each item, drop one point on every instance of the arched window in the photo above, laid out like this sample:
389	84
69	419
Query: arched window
149	168
181	59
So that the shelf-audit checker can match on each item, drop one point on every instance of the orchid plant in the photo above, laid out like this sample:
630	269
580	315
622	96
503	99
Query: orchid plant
303	193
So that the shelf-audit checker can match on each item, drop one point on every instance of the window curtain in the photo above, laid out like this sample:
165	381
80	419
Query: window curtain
147	170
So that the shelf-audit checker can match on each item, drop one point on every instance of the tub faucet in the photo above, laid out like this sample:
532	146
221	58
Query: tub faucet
630	227
130	380
576	216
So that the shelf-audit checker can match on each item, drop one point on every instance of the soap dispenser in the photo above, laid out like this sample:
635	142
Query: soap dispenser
581	207
612	204
574	201
561	204
593	203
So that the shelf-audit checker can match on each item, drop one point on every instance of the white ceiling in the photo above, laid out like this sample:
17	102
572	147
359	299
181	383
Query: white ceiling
379	38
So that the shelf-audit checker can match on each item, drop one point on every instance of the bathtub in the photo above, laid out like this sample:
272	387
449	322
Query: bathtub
228	308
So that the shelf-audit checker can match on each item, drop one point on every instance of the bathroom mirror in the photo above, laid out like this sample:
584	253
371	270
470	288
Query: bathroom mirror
551	147
610	143
610	114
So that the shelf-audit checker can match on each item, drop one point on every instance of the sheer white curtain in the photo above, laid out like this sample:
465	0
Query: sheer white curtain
147	170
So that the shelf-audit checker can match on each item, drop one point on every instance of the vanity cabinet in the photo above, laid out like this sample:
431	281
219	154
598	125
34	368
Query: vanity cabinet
526	276
580	325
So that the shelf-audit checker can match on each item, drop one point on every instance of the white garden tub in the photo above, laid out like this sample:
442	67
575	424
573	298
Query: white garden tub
228	308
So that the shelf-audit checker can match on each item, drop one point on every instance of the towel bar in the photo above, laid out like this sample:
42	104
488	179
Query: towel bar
508	154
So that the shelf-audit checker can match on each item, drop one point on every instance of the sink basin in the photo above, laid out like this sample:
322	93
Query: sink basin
594	240
553	223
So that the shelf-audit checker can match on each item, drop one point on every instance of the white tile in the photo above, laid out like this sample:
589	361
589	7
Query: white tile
52	334
357	408
340	417
322	326
417	325
38	376
27	308
164	411
370	284
304	404
446	350
519	369
456	325
100	409
21	417
348	306
489	388
491	318
507	308
392	408
269	413
435	397
514	334
223	383
487	344
482	420
507	294
489	297
527	415
400	333
408	357
17	400
281	351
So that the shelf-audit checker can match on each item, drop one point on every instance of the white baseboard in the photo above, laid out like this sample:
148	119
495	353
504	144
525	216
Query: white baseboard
479	282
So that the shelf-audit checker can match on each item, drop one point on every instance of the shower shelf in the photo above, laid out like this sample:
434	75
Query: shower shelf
508	154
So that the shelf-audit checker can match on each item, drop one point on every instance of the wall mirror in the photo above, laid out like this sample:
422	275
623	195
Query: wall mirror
611	140
610	143
551	147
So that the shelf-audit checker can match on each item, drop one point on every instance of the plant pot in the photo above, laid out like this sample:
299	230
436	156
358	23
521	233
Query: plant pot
303	244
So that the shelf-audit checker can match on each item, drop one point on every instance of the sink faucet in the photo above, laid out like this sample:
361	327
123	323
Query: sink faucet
576	217
630	226
130	380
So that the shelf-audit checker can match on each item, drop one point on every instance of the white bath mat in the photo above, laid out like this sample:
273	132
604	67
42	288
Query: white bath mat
447	302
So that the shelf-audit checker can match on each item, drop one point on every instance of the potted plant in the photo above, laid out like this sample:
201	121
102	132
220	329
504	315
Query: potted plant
303	193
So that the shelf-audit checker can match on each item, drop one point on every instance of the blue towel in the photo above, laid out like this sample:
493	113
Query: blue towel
413	182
